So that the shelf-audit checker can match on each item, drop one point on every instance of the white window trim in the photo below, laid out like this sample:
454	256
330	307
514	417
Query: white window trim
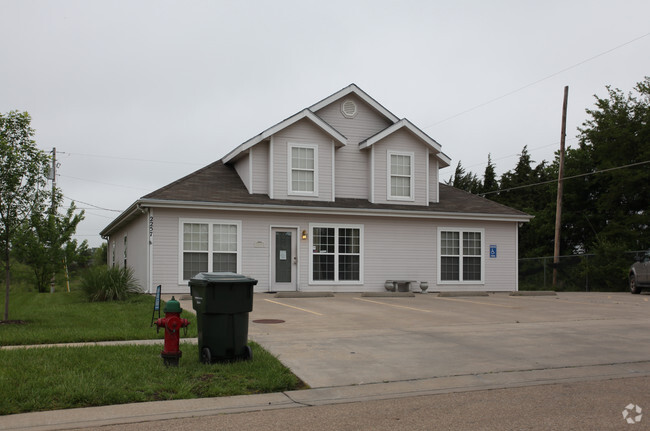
389	173
210	251
460	263
336	254
290	191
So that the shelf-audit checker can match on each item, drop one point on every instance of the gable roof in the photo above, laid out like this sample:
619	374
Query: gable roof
352	88
406	124
219	186
305	113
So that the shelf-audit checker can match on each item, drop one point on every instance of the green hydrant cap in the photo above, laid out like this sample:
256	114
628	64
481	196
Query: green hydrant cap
173	306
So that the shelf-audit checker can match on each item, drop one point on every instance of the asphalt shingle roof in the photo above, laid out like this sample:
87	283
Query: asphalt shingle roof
219	183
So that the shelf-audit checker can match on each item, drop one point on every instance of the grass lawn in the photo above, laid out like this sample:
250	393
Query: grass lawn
64	317
52	378
60	378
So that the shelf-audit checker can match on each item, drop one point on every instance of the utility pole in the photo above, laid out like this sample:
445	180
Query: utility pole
558	209
53	178
52	207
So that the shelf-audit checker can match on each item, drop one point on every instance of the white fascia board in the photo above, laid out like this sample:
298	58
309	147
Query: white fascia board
125	215
444	159
397	126
352	88
332	211
404	123
305	113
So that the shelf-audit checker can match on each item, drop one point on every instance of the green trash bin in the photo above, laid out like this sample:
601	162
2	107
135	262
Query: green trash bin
222	301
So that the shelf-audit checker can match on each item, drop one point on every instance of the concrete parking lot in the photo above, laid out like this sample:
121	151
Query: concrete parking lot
351	340
573	361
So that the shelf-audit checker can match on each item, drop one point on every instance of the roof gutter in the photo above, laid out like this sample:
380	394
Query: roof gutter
135	209
377	212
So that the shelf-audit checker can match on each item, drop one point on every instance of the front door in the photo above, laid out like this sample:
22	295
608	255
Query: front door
285	259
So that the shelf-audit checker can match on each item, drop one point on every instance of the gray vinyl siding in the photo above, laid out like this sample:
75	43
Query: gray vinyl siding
393	248
302	132
401	141
260	155
352	168
433	179
136	233
243	168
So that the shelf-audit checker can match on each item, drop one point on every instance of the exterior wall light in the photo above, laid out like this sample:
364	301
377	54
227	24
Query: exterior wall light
304	234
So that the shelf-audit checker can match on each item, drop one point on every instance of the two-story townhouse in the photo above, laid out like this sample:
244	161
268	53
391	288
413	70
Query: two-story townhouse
341	196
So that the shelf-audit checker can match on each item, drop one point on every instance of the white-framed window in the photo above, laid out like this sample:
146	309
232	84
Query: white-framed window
400	175
336	254
208	246
461	255
303	169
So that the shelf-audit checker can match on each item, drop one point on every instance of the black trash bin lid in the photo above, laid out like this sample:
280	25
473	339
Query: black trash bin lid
222	277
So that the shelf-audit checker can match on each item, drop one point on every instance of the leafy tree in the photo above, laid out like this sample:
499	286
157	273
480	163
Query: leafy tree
100	255
21	175
44	242
611	207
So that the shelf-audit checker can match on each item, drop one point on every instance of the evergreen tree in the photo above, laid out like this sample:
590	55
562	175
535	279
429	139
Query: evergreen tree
490	182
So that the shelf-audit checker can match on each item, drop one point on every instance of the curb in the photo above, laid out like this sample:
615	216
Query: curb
387	295
456	294
534	293
178	409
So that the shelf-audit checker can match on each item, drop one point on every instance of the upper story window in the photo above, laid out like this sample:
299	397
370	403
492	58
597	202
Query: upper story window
400	176
303	169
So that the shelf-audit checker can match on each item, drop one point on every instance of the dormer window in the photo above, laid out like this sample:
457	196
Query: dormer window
400	176
303	172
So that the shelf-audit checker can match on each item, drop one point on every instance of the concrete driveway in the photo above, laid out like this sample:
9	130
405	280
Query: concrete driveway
350	340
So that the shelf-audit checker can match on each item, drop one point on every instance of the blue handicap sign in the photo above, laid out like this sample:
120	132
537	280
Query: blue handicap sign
493	251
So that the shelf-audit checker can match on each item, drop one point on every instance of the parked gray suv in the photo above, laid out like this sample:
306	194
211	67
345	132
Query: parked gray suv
640	273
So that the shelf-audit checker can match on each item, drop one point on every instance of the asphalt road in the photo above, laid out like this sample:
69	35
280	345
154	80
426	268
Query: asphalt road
593	405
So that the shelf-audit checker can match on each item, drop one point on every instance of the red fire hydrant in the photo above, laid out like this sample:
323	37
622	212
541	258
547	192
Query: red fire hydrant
172	323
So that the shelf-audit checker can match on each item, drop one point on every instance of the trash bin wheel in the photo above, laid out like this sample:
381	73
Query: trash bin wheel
248	353
206	356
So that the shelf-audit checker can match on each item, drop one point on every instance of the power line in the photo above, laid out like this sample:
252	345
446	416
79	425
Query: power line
94	206
566	178
132	159
480	105
103	183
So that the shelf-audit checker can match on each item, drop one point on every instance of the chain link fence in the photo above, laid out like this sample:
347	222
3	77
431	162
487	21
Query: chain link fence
607	272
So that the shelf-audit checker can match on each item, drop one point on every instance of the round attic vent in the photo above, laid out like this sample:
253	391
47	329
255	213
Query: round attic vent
349	108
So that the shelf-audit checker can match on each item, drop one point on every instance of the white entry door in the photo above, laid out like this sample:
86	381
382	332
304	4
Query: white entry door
284	261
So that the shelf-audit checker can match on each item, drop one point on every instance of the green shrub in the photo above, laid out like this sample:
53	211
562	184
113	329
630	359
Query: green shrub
102	283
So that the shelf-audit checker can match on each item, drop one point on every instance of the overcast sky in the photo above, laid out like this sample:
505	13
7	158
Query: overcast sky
136	94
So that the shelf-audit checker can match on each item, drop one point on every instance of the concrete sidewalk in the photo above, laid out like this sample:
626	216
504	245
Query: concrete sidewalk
164	410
